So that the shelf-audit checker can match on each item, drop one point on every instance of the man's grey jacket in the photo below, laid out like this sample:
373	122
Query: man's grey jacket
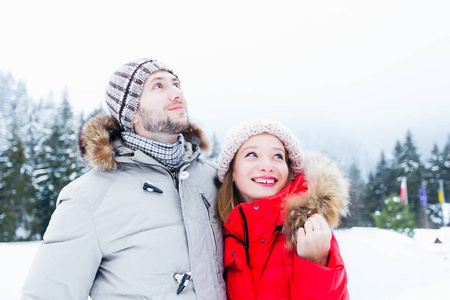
111	239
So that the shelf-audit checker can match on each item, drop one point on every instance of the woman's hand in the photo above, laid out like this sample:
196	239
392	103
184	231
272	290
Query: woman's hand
313	241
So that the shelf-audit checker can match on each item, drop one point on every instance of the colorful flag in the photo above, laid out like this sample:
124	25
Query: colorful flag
403	192
423	194
441	192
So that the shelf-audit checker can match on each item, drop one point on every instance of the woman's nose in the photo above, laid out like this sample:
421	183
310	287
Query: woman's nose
266	165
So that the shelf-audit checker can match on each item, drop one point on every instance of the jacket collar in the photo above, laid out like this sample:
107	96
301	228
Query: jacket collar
101	145
273	206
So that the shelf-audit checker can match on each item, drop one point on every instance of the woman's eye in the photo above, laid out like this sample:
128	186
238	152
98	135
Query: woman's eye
177	85
158	86
251	154
279	156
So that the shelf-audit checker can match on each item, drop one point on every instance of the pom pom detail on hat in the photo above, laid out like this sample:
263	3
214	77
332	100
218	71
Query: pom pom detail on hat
240	133
125	87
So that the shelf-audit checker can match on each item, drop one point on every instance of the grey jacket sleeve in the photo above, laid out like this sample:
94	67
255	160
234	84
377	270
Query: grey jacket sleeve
68	257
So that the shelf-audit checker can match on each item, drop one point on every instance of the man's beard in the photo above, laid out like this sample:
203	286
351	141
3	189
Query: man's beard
159	122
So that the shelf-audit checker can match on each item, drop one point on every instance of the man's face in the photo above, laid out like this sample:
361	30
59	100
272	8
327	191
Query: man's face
162	106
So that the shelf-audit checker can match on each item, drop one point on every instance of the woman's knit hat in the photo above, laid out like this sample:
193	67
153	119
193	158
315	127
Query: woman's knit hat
125	87
240	133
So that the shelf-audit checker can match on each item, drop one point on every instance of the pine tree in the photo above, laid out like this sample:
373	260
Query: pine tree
432	173
396	216
377	188
16	181
414	172
6	90
357	210
445	171
16	190
57	164
215	148
397	171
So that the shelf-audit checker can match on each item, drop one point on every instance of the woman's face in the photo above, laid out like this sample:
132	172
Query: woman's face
260	167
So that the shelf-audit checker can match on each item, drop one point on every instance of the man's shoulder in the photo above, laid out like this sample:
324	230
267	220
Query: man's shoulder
90	185
207	163
205	168
203	174
96	175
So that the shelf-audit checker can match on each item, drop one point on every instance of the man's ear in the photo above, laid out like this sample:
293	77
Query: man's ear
135	119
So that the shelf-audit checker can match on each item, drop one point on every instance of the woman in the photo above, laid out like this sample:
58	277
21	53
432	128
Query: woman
278	207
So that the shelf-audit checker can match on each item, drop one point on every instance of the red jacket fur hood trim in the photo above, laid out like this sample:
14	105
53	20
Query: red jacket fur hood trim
99	140
327	194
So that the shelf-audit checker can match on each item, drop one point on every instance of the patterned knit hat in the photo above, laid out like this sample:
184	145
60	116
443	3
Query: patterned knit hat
240	133
125	87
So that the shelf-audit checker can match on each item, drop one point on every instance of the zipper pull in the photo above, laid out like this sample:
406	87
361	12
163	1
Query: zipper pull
205	200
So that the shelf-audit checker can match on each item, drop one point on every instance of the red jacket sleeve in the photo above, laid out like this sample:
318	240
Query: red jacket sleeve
314	281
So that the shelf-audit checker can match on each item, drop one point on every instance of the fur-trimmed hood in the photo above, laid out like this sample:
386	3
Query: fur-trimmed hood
327	194
99	141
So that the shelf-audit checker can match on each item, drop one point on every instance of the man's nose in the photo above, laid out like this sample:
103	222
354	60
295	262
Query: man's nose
176	94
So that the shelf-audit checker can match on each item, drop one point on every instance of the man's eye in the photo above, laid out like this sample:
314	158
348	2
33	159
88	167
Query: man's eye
177	85
158	86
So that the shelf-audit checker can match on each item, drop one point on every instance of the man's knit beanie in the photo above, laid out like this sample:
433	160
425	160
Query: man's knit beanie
240	133
125	87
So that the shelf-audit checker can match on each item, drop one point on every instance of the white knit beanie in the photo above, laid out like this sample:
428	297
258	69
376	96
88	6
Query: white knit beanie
240	133
125	86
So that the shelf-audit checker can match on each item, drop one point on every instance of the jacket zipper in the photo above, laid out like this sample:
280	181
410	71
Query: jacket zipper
208	205
205	201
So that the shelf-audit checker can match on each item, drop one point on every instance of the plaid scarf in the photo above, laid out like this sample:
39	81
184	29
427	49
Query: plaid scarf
168	155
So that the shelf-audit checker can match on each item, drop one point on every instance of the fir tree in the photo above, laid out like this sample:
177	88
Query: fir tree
397	171
445	171
396	216
377	188
215	148
16	190
357	211
432	173
406	163
57	165
6	99
413	169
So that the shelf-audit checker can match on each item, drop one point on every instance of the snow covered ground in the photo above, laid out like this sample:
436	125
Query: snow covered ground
381	264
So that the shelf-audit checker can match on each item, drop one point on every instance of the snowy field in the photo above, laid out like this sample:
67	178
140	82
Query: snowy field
381	264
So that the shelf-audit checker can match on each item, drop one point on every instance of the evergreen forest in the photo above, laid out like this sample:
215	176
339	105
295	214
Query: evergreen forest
39	156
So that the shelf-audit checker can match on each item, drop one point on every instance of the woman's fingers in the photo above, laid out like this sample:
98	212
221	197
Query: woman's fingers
308	226
314	223
300	233
319	222
313	242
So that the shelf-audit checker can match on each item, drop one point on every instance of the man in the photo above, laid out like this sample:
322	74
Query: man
141	224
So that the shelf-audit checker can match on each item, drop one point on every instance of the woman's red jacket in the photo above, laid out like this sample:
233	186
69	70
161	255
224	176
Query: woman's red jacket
258	265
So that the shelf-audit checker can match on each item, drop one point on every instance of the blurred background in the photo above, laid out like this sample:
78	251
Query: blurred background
366	82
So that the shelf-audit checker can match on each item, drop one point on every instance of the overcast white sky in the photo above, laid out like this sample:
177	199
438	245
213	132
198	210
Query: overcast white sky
348	76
